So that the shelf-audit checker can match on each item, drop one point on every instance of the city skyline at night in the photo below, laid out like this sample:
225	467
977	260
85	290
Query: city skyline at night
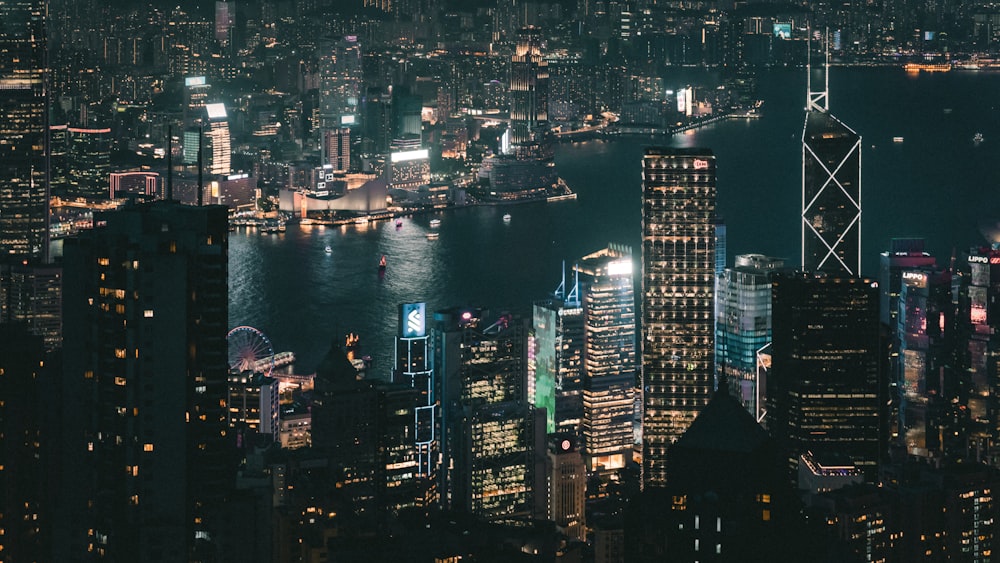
276	281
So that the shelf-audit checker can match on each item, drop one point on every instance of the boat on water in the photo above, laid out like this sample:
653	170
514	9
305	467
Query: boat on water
382	264
435	223
506	217
433	236
927	67
328	249
399	223
977	138
897	139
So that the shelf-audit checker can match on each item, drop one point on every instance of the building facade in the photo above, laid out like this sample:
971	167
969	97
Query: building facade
609	354
678	282
743	327
831	196
146	314
823	390
24	130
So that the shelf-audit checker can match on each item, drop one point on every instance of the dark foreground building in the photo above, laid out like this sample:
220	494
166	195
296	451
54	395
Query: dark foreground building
146	317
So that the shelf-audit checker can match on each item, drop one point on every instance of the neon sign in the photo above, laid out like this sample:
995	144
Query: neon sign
700	164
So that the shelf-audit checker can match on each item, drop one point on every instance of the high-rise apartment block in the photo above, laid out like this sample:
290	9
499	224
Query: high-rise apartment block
678	283
146	315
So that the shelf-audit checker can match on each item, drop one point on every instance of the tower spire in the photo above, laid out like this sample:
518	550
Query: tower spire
818	100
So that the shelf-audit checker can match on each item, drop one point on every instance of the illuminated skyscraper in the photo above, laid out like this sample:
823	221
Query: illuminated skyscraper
145	359
557	328
831	190
678	286
925	379
24	125
490	432
218	144
337	148
823	392
743	327
529	86
609	357
340	81
412	367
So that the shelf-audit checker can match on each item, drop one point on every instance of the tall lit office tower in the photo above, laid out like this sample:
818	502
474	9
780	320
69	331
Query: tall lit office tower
831	190
678	284
609	357
567	487
743	327
196	90
337	148
924	378
412	367
529	86
490	432
557	330
218	144
224	19
340	79
903	254
24	125
983	345
823	391
89	158
407	115
146	319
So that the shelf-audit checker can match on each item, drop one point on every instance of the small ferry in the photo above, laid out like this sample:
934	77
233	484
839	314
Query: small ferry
328	249
433	235
897	139
927	67
435	223
506	217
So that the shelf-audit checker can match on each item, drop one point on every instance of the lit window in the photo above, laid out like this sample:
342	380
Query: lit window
148	313
147	447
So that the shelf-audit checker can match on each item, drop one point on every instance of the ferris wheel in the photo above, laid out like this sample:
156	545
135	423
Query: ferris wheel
250	350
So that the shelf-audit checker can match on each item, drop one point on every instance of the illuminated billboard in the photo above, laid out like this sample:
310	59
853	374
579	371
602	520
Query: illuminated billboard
409	155
412	317
347	120
783	30
620	267
216	111
195	81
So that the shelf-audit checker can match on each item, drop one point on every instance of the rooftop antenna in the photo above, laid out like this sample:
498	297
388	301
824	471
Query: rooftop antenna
818	100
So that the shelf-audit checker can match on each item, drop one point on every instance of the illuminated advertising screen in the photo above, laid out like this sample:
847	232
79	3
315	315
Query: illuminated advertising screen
195	81
413	320
783	30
